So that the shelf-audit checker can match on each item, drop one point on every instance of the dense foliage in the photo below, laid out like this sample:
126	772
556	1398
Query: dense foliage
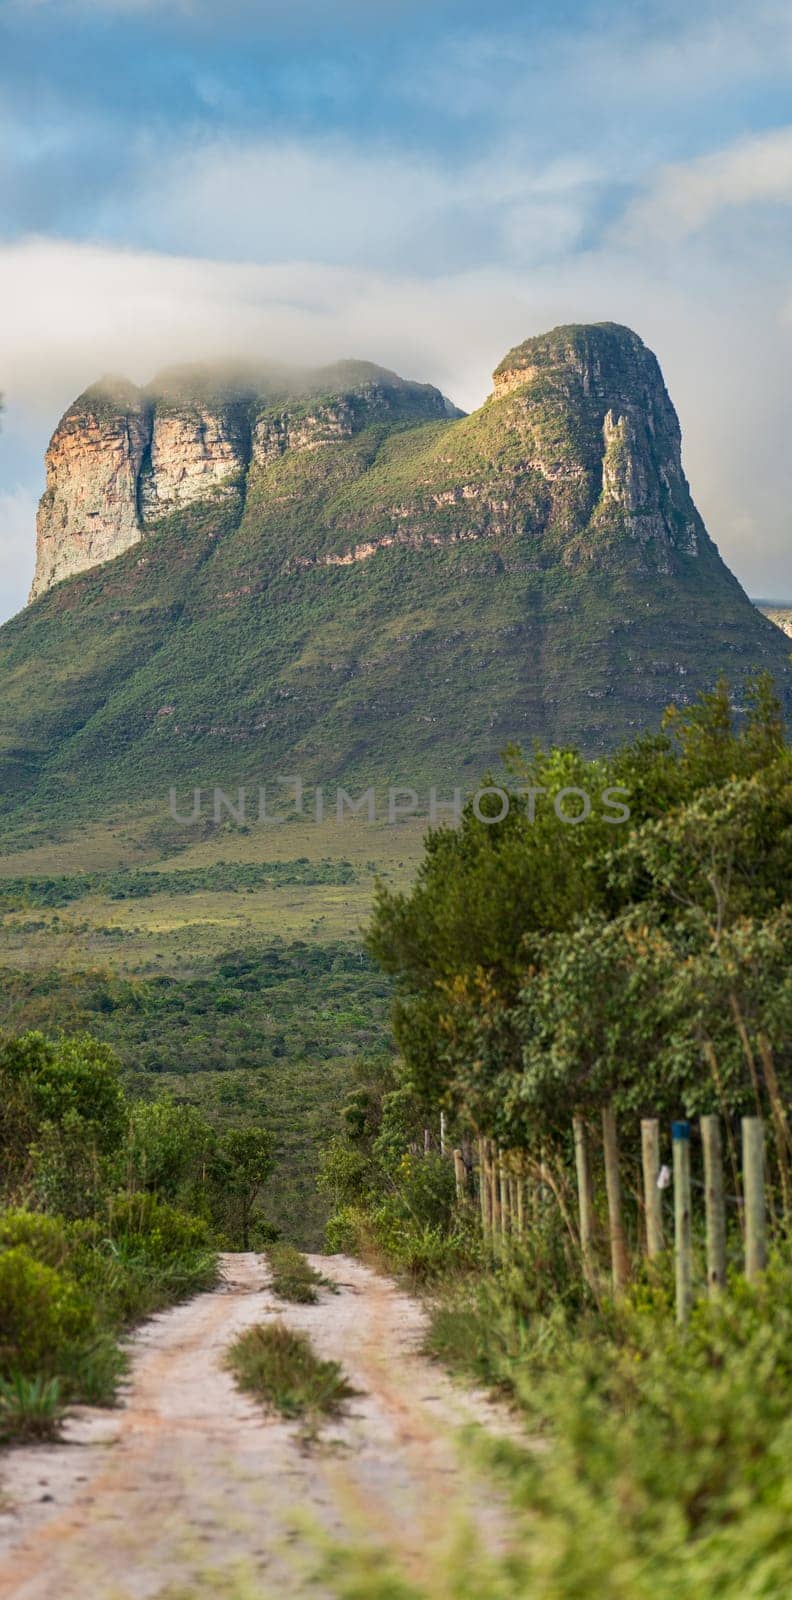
655	1463
109	1209
264	1031
544	967
544	971
248	1009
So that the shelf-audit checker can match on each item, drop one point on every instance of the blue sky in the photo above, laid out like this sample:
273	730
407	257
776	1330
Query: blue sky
421	184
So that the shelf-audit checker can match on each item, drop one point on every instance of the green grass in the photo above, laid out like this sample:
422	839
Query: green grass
293	1277
278	1366
30	1408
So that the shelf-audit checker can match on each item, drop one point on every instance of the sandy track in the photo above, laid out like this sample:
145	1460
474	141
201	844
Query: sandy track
189	1482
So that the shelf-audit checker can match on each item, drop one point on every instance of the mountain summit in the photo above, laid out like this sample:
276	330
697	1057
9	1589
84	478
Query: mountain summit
339	574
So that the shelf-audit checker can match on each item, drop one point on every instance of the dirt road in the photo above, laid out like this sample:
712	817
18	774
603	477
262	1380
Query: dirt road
189	1487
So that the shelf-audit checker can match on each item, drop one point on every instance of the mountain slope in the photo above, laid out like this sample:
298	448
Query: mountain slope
348	579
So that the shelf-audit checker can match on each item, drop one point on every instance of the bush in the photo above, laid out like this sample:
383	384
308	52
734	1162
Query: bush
424	1192
346	1231
142	1222
344	1173
46	1238
665	1462
43	1315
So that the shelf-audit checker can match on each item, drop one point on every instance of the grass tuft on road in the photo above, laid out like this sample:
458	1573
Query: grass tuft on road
293	1277
278	1365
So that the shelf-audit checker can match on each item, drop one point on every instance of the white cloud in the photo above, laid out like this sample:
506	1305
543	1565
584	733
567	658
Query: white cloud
613	66
17	548
685	197
331	200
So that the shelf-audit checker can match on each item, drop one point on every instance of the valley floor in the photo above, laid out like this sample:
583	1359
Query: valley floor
190	1489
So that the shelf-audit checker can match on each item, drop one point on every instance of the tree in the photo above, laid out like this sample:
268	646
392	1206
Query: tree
169	1150
241	1166
65	1095
541	967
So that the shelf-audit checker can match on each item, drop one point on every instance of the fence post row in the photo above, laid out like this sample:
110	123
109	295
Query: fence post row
505	1205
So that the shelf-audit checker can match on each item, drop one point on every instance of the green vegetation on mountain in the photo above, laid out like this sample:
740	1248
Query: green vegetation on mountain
382	597
267	1032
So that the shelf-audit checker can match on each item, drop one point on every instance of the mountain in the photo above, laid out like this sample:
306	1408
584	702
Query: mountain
336	573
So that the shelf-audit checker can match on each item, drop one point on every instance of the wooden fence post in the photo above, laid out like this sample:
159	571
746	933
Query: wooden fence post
619	1259
442	1133
460	1176
650	1158
585	1200
503	1190
780	1123
494	1187
753	1184
683	1250
521	1196
716	1207
486	1219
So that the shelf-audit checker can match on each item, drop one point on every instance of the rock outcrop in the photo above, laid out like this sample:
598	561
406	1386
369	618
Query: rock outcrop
123	458
600	411
89	510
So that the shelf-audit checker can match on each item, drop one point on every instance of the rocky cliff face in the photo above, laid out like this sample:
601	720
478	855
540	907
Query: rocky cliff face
89	510
600	412
583	449
123	458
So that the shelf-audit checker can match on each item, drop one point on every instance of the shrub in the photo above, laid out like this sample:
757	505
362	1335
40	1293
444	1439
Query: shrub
346	1231
665	1462
46	1238
424	1191
162	1231
43	1315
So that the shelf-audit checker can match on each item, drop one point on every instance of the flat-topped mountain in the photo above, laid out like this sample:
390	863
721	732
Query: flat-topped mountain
337	573
122	458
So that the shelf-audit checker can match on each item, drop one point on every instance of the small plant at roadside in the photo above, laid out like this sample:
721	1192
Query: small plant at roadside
279	1366
30	1408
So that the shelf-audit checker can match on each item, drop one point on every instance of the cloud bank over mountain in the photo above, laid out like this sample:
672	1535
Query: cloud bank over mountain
421	193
